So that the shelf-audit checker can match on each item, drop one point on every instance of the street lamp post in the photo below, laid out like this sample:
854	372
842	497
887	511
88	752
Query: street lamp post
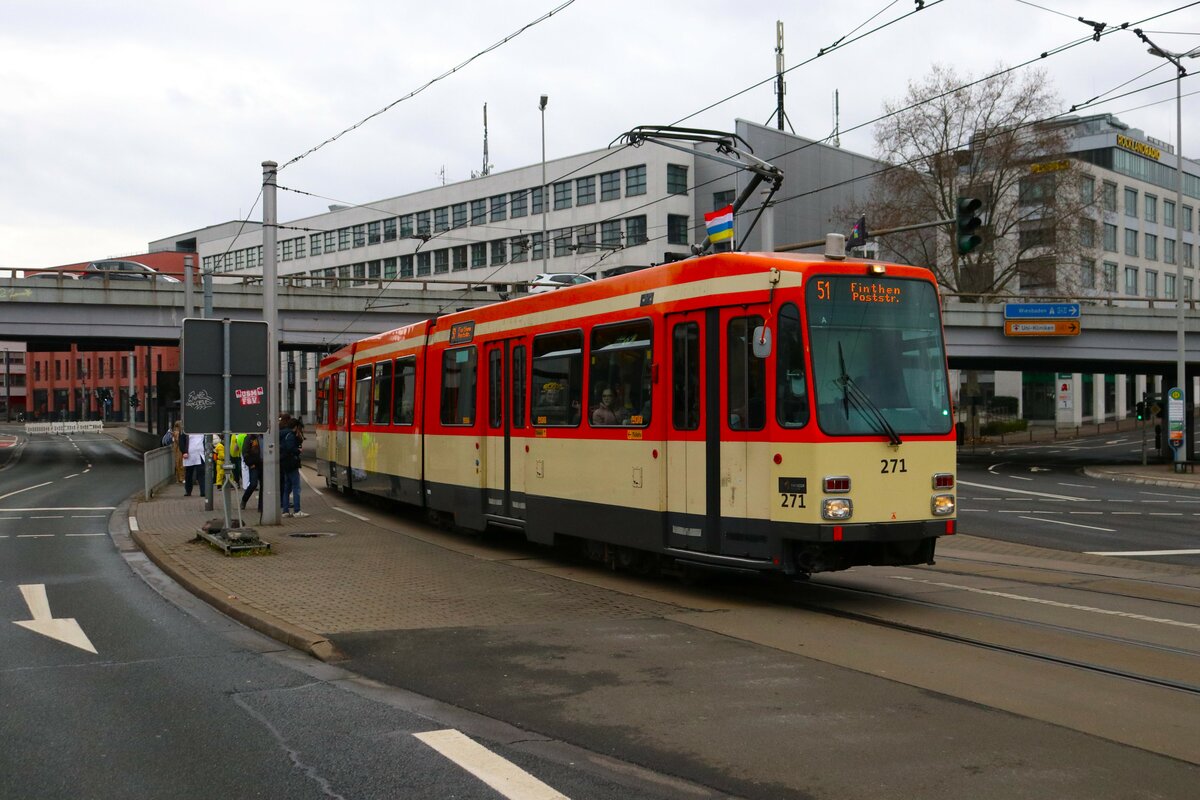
1180	356
545	195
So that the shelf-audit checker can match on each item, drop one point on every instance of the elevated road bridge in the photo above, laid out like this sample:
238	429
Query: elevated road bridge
117	315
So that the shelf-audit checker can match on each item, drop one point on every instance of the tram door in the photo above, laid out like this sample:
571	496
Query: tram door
505	382
692	523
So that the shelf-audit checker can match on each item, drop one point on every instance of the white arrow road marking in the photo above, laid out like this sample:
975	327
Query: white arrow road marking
66	630
26	489
505	777
1020	491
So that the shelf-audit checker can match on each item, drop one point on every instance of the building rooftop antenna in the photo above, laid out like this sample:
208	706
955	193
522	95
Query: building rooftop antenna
487	168
780	116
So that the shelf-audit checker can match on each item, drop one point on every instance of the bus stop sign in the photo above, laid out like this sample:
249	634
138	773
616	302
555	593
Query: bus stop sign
203	390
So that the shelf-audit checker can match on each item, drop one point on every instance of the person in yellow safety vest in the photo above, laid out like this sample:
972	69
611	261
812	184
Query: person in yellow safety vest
235	456
218	461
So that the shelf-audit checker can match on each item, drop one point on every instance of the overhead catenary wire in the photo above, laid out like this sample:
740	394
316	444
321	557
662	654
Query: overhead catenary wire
838	45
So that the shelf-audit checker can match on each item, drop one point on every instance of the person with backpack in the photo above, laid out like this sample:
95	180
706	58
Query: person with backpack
252	460
289	469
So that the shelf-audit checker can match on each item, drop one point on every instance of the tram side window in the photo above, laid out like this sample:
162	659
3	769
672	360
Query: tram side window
495	388
458	386
557	386
791	388
518	386
404	390
362	395
322	400
341	397
685	376
621	357
745	375
383	392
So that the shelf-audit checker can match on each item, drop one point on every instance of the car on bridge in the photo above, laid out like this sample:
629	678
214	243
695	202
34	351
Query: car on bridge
125	271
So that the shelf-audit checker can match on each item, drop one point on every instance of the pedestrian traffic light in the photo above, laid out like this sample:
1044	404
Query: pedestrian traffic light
133	401
966	223
1141	409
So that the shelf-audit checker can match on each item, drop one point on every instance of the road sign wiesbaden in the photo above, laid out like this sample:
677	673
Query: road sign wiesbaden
1041	311
1041	327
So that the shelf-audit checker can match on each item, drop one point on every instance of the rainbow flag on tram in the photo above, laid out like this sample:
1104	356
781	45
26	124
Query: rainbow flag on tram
719	224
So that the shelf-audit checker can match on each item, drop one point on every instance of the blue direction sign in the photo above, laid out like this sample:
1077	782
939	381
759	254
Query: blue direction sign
1041	310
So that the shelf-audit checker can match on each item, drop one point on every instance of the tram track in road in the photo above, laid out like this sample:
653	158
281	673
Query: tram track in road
1084	578
903	627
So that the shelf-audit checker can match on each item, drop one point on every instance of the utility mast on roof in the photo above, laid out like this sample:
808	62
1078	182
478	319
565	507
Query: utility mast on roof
487	168
780	115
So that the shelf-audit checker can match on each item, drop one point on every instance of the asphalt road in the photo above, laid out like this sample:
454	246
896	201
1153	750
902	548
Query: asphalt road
973	679
177	701
1041	495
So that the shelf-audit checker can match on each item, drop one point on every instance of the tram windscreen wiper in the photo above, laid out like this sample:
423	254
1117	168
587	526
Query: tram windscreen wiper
852	395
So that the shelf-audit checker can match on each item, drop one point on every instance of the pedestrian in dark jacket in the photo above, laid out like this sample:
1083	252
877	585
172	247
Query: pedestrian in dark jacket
252	459
289	470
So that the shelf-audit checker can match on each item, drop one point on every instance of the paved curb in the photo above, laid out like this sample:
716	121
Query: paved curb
1128	477
292	635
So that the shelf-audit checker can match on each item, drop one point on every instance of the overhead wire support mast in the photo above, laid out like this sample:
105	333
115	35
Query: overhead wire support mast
727	145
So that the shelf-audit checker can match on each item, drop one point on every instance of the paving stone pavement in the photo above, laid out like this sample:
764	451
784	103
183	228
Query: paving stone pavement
390	573
365	576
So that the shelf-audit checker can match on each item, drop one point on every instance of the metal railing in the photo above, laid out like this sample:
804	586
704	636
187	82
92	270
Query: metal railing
91	426
158	469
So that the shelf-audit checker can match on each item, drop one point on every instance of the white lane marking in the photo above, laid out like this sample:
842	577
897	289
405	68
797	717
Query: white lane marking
352	514
47	516
1055	603
1166	514
1086	513
502	775
1020	478
1077	485
133	526
34	535
65	630
1164	494
1019	491
11	517
1144	553
64	508
68	477
85	534
87	516
1072	524
26	489
1126	513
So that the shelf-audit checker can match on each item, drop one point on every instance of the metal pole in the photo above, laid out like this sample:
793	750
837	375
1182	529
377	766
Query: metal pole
187	286
226	377
545	194
132	393
269	488
8	385
1180	356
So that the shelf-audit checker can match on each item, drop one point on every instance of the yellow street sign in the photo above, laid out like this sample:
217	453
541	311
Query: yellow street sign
1041	327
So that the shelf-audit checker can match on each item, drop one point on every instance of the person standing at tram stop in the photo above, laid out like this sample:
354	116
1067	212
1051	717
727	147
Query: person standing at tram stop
607	413
192	445
177	435
289	468
252	458
235	457
218	460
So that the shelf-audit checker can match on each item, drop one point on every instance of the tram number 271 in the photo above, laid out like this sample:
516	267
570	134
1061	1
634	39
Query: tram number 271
890	465
791	500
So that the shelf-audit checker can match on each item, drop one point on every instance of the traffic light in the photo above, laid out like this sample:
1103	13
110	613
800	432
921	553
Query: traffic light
1141	409
966	223
134	402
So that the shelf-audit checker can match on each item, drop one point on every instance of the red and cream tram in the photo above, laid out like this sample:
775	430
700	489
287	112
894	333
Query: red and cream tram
771	412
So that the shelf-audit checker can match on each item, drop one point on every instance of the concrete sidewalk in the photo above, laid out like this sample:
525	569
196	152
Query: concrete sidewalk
356	567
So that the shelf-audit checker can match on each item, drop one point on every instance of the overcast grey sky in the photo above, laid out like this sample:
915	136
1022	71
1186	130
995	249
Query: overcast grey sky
123	122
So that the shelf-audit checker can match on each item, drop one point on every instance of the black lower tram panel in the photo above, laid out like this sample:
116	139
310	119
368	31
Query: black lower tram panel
756	545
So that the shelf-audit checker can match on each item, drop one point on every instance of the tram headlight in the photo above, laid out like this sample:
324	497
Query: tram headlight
942	505
837	508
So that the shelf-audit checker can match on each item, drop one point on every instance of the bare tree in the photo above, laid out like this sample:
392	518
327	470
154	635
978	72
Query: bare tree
950	137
